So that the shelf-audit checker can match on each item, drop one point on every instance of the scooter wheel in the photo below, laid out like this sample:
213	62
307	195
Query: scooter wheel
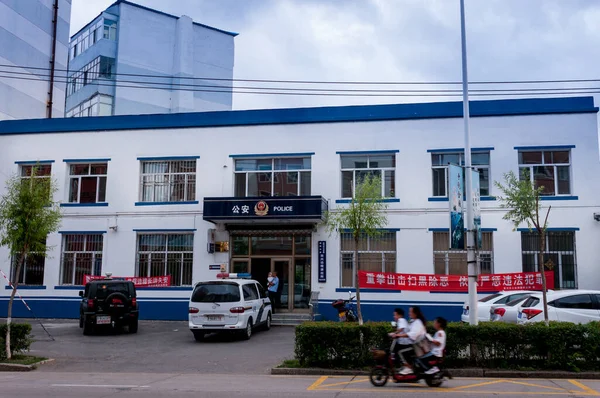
379	376
434	381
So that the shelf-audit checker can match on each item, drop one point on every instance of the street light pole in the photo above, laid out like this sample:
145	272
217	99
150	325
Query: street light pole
471	257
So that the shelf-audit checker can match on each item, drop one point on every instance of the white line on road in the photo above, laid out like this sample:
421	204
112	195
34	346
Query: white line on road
98	385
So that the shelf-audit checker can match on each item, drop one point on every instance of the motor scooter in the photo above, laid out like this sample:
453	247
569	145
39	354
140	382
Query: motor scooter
344	309
384	368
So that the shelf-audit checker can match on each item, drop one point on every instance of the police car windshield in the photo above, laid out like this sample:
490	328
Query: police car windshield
216	292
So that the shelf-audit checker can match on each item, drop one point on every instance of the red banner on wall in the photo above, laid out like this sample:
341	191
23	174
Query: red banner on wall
155	281
454	283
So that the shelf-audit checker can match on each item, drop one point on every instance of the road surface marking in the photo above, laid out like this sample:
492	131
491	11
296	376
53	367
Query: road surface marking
99	385
585	388
317	383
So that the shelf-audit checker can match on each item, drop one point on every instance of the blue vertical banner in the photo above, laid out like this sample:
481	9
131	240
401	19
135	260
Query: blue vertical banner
322	261
476	209
455	197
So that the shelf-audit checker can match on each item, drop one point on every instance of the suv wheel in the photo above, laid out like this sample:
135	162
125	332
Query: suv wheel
248	330
88	328
133	326
198	335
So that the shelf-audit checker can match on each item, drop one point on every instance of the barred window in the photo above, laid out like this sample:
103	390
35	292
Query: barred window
87	182
32	271
374	254
81	255
454	262
559	254
168	181
166	255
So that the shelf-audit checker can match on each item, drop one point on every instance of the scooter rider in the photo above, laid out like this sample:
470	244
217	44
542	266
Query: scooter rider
402	343
415	333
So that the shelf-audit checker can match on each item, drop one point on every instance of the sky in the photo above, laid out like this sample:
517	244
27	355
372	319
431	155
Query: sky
393	41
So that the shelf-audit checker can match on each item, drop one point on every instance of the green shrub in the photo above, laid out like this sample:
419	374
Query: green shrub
20	338
560	346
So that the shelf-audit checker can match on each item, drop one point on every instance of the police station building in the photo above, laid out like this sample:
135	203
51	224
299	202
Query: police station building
181	196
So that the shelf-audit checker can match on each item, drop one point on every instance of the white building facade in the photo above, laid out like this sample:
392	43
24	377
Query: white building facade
146	197
135	60
30	39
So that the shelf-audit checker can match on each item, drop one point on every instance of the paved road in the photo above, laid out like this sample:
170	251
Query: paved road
159	347
169	385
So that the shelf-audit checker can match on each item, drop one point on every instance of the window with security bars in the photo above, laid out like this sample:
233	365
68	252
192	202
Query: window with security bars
166	255
87	182
374	254
81	255
454	262
548	169
32	271
559	256
168	181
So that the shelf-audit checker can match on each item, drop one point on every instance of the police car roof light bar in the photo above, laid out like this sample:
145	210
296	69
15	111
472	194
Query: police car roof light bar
226	275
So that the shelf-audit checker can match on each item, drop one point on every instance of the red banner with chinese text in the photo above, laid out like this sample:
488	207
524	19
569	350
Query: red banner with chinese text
454	283
155	281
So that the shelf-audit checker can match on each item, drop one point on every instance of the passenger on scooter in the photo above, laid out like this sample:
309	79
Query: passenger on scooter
416	332
438	341
402	343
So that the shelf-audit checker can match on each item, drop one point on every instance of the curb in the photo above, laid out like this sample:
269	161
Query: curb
474	373
13	367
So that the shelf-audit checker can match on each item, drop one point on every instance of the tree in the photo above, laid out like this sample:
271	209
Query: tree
27	215
522	200
363	217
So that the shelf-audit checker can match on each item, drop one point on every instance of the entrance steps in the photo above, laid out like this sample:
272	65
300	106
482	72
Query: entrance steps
289	318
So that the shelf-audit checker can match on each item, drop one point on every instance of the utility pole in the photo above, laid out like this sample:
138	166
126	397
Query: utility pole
471	255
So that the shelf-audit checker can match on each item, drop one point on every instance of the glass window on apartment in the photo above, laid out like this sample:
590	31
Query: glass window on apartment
166	255
99	67
110	29
356	167
273	177
87	182
86	39
374	254
40	173
548	169
168	181
439	166
454	262
98	105
559	256
32	270
81	255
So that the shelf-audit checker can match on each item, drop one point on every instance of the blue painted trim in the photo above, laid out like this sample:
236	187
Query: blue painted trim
352	290
82	232
33	162
379	229
27	287
540	148
68	287
559	197
169	288
333	114
164	230
168	158
83	204
270	155
390	200
86	160
378	152
554	229
453	150
192	202
448	229
487	198
445	198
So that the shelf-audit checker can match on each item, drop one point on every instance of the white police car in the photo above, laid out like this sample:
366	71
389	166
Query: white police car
233	302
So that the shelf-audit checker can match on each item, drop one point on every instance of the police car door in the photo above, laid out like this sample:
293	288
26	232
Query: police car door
264	303
251	302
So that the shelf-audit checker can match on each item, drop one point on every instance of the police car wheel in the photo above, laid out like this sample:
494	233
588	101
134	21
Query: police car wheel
248	330
268	323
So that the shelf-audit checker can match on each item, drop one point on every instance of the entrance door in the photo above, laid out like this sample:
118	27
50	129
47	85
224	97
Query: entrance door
286	290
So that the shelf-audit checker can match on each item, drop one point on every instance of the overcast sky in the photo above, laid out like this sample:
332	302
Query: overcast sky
392	40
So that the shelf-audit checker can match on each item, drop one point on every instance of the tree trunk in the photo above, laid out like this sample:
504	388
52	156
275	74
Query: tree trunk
15	284
542	269
358	310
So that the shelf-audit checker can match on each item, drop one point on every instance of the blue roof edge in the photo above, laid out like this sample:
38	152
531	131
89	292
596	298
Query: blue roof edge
334	114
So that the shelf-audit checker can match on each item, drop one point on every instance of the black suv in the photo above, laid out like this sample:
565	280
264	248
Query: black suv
108	302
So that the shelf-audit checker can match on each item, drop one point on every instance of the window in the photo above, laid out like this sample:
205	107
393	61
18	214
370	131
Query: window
41	173
100	67
578	301
261	291
250	292
272	177
110	30
454	262
168	181
98	105
375	255
166	255
439	165
81	255
548	169
559	254
87	38
32	271
216	292
87	183
356	167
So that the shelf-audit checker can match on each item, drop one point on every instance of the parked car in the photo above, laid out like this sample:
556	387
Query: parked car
232	303
108	302
508	312
577	306
484	304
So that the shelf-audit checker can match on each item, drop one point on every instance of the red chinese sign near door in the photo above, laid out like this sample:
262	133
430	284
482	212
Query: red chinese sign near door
454	283
155	281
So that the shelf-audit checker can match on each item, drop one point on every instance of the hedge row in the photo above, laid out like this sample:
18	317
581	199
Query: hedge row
560	346
20	338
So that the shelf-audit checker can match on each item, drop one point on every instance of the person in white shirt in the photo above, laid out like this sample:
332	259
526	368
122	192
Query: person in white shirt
402	343
438	342
415	333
